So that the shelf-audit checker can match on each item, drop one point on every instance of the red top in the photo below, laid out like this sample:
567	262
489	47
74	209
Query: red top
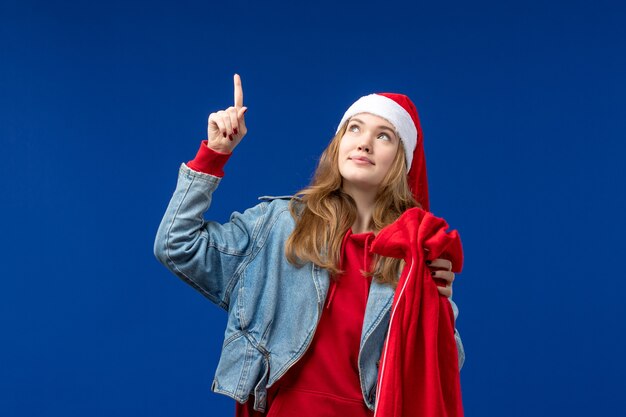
325	381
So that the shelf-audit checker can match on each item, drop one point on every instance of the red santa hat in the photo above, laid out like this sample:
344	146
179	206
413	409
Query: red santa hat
400	111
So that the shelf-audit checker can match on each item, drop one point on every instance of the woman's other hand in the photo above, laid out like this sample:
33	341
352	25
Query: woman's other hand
441	270
227	127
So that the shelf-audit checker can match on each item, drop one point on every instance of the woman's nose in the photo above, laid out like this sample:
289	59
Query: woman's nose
366	144
364	147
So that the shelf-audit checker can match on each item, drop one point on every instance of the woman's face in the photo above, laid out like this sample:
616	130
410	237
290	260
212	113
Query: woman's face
366	152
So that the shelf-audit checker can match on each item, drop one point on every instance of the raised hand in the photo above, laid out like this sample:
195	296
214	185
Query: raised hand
227	127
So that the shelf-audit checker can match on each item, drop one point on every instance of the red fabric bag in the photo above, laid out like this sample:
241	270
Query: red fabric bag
419	371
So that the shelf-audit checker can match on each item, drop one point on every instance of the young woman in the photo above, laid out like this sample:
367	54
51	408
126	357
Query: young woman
308	303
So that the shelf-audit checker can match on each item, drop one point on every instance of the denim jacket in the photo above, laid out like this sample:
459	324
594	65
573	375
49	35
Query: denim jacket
273	306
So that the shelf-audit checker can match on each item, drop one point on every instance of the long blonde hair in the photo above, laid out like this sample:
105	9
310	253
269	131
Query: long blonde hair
324	213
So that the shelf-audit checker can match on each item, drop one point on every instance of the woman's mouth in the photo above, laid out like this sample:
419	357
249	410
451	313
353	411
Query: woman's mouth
361	160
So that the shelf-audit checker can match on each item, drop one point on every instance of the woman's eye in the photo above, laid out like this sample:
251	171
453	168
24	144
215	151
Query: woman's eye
384	136
353	128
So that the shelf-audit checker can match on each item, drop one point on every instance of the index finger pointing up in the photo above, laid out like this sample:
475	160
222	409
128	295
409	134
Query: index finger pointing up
238	91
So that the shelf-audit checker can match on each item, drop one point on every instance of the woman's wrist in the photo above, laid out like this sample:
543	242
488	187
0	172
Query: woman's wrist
217	148
209	161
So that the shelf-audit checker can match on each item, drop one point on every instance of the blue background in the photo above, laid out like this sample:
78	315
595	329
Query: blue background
523	110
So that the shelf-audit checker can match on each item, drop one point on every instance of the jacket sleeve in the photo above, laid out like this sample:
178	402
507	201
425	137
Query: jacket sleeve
207	255
457	336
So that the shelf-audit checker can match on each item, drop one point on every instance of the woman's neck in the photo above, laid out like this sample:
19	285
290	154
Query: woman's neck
364	200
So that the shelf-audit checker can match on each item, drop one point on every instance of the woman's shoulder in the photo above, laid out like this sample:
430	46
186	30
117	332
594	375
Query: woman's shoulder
283	198
280	206
271	206
280	201
272	215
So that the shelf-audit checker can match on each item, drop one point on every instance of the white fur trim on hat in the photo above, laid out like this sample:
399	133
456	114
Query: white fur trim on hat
391	111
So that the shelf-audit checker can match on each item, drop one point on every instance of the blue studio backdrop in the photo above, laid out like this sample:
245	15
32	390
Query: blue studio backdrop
522	106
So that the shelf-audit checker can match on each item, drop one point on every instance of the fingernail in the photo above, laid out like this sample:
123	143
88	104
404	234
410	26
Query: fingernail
245	110
235	131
